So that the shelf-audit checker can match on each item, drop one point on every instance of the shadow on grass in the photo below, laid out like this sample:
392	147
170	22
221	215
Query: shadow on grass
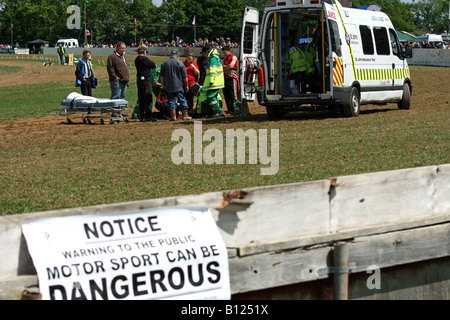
291	116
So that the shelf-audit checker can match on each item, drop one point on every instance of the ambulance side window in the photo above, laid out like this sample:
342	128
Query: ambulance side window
335	40
367	40
382	41
394	43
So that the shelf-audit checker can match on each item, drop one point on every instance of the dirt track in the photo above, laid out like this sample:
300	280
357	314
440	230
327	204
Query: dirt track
430	91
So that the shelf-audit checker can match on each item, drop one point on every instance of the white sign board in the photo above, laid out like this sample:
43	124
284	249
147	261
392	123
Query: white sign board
171	253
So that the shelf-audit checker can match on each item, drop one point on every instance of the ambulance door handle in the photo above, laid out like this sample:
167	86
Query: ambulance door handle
393	77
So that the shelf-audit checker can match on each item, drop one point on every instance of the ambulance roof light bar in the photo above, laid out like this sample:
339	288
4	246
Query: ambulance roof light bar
275	3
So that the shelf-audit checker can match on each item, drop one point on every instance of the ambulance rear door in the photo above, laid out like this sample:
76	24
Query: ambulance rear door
249	63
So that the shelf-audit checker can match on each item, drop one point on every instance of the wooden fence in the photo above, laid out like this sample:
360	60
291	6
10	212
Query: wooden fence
284	241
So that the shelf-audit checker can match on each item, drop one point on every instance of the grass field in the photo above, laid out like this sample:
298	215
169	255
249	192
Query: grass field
46	164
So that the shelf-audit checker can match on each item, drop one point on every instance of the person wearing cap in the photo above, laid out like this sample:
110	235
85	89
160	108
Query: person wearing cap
214	81
174	80
144	68
230	70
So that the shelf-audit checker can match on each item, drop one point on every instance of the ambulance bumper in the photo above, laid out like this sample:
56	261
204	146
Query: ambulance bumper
341	94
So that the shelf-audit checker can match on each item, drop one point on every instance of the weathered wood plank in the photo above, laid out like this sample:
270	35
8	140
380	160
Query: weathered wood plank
390	197
273	269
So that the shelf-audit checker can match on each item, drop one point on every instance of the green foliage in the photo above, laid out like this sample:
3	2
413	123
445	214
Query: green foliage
112	20
431	16
400	13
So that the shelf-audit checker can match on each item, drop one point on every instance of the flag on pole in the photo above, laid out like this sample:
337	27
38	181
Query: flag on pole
12	26
135	23
88	33
194	22
87	2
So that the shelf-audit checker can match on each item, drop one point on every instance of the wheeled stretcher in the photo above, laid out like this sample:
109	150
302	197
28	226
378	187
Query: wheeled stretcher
90	107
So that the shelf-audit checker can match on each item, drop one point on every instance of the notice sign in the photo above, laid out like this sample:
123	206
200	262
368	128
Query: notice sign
170	253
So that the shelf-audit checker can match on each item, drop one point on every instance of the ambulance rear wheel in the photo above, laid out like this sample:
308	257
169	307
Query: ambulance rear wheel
405	103
352	108
275	112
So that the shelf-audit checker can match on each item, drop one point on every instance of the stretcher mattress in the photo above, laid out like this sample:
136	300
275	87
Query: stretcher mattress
89	107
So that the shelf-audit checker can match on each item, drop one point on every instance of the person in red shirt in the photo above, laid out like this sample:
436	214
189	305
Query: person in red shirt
192	71
230	70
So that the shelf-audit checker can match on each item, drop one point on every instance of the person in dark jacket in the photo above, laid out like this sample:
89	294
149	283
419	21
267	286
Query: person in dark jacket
85	75
201	63
119	75
144	68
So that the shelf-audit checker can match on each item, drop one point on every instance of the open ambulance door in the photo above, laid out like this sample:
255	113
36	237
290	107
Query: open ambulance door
248	59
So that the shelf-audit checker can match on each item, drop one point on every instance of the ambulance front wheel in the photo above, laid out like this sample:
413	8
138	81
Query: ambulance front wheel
405	103
352	107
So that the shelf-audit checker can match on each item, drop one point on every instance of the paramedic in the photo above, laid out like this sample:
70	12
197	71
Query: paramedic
214	81
62	55
144	67
85	75
301	69
119	75
230	70
174	79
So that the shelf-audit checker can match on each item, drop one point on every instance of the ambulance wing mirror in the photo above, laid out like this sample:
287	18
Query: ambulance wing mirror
408	52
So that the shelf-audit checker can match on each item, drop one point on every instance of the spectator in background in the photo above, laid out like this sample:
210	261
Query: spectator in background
62	55
119	75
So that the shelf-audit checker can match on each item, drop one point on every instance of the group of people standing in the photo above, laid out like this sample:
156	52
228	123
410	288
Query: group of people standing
181	82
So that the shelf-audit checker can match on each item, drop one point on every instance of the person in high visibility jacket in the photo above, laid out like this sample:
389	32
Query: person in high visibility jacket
301	68
62	55
214	81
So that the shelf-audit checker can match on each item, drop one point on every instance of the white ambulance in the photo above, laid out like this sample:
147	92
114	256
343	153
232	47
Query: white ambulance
358	59
67	43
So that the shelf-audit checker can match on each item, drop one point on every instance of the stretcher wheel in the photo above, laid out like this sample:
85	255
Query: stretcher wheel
126	120
111	121
84	120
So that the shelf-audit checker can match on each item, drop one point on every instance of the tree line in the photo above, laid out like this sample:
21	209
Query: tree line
419	17
109	21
